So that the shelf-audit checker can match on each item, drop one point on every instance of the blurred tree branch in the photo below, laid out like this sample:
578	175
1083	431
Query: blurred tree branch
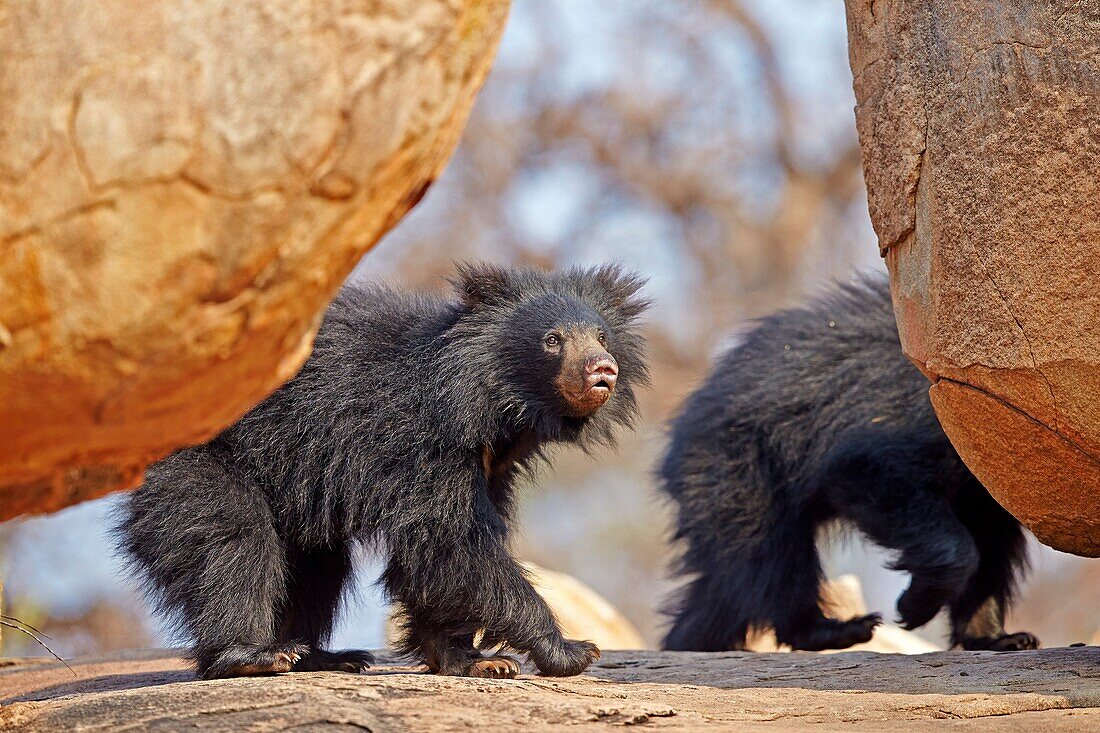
748	213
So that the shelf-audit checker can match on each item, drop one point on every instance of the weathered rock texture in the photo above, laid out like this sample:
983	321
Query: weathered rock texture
980	127
183	186
1050	690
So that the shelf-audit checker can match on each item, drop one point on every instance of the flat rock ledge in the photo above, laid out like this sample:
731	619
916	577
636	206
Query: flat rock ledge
1048	690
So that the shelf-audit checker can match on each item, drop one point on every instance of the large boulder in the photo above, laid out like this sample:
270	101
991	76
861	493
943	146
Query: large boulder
183	187
980	127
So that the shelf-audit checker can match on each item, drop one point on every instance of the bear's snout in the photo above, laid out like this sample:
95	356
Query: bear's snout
587	379
601	372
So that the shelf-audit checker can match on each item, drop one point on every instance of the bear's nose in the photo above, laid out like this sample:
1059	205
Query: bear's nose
604	364
601	370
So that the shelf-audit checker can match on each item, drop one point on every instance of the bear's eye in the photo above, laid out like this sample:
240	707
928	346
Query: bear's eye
552	340
602	337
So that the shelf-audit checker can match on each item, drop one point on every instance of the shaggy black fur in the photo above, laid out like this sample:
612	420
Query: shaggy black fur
818	416
403	431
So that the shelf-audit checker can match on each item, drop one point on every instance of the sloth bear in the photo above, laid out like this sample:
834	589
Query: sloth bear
816	417
404	431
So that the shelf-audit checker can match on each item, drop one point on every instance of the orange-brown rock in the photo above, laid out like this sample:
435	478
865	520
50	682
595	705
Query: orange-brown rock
980	128
183	187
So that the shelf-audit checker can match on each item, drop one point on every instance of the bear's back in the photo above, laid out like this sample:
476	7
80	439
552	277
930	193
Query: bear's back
363	401
802	381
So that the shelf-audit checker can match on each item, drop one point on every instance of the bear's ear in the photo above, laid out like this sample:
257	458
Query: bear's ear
479	284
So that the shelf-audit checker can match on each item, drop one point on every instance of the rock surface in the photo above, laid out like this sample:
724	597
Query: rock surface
1050	690
183	187
980	128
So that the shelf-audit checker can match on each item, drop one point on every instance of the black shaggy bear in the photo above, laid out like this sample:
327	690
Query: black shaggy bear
818	416
404	431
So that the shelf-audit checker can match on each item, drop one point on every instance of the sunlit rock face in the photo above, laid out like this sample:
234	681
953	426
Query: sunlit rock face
183	186
980	128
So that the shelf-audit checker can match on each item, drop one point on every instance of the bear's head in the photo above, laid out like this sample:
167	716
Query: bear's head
558	348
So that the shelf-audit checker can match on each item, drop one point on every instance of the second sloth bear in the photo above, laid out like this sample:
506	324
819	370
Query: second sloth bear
818	416
404	430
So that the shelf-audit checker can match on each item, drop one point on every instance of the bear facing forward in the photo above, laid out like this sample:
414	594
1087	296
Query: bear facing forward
403	431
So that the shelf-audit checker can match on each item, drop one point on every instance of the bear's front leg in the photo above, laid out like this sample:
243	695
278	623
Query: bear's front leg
459	575
525	622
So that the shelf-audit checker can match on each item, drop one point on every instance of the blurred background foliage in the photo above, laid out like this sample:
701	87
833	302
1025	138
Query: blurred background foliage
708	144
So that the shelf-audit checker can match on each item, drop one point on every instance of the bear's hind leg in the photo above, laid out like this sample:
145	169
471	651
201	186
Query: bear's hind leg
246	660
977	616
316	584
791	586
204	537
775	583
984	629
240	586
820	633
708	614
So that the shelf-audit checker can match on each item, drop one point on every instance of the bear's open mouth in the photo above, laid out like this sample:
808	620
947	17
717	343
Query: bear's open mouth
601	386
